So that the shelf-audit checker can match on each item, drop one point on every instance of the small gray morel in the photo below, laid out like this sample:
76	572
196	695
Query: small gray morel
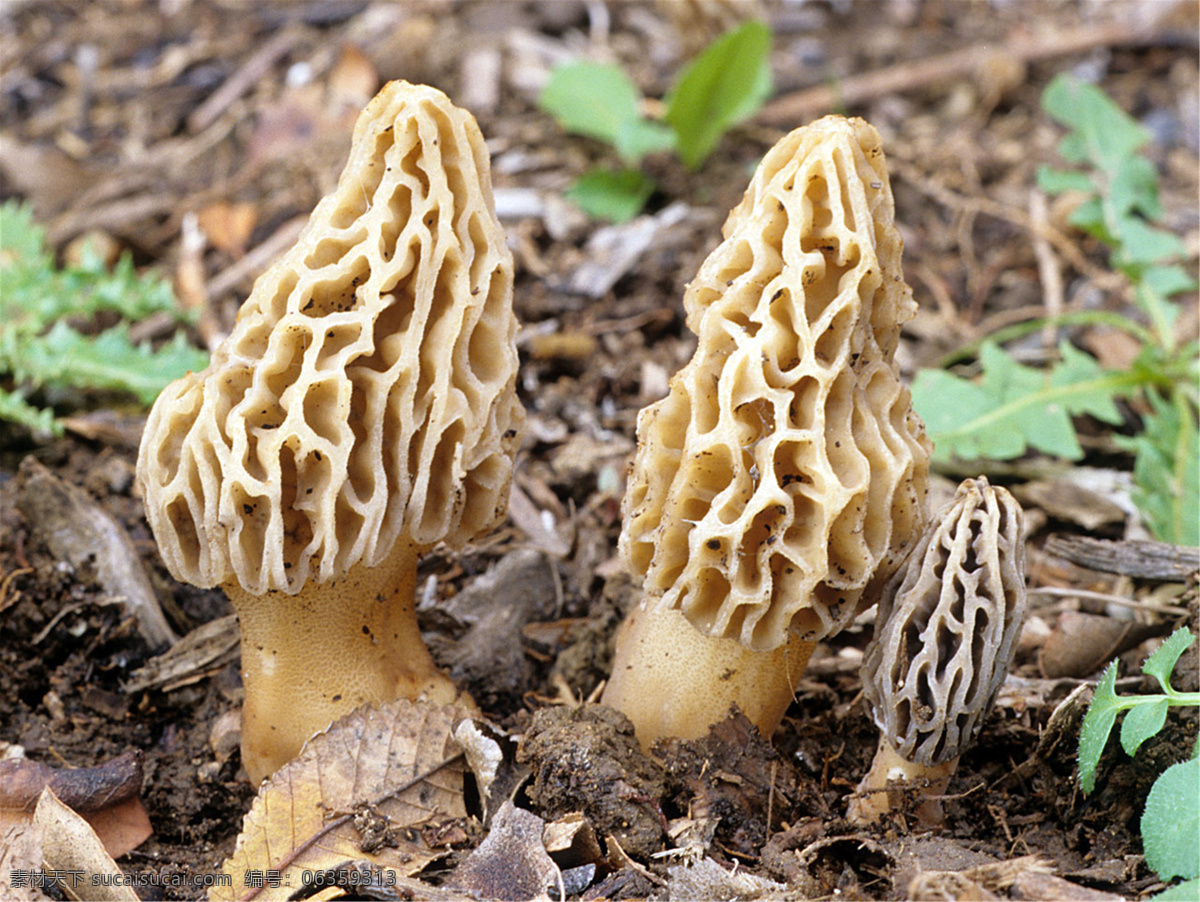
945	634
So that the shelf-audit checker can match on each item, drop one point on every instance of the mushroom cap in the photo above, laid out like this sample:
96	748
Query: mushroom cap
785	469
947	627
367	391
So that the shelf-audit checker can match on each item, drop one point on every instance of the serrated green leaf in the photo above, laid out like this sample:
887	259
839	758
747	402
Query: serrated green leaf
1160	664
1142	243
1168	280
107	361
1056	181
1089	216
593	99
725	84
1171	822
16	409
613	196
1013	407
1133	188
1096	727
1142	721
22	241
1102	133
1166	471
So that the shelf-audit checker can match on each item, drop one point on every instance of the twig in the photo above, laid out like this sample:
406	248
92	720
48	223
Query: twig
1049	272
240	81
1105	279
954	66
256	260
1121	601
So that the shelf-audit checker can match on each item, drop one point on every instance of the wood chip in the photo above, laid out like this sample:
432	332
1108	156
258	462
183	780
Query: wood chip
1141	560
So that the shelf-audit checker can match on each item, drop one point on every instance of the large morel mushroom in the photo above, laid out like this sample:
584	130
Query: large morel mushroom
362	410
785	472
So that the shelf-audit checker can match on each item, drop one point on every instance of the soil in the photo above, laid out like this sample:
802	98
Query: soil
108	125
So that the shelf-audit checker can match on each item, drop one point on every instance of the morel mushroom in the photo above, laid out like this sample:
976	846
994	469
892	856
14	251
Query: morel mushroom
945	634
362	410
785	471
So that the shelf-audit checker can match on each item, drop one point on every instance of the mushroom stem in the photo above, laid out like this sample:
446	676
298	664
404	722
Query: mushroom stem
300	674
891	776
671	680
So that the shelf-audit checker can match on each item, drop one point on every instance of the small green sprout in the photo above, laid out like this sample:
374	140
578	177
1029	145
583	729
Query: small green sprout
724	85
1171	819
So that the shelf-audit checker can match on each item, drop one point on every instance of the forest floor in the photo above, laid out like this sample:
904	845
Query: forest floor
119	118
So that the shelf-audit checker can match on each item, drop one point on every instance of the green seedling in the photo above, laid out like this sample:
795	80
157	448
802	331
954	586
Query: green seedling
1010	408
723	86
1171	819
45	347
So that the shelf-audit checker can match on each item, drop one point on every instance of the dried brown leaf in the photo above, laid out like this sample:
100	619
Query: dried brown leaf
106	797
370	789
511	862
70	844
20	854
228	226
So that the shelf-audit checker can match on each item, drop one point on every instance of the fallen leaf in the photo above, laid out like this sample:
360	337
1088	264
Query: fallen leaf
1082	643
369	789
708	880
20	857
484	757
1064	500
353	80
228	226
106	797
511	862
70	844
202	652
78	530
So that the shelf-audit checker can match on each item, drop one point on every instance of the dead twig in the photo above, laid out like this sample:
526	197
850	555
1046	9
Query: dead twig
1049	271
947	68
240	81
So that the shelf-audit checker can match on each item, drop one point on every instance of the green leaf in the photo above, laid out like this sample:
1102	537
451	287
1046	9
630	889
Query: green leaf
16	409
1013	407
1102	133
638	137
1056	181
1160	664
107	361
1142	721
594	99
614	196
1089	216
725	84
1142	243
1133	188
1166	470
1171	822
1168	280
1096	727
22	241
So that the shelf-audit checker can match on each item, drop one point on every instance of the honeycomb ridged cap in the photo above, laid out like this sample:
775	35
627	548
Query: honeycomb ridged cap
367	391
947	627
786	471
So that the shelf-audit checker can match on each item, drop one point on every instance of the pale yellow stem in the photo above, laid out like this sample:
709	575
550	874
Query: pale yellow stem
891	777
671	680
310	658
